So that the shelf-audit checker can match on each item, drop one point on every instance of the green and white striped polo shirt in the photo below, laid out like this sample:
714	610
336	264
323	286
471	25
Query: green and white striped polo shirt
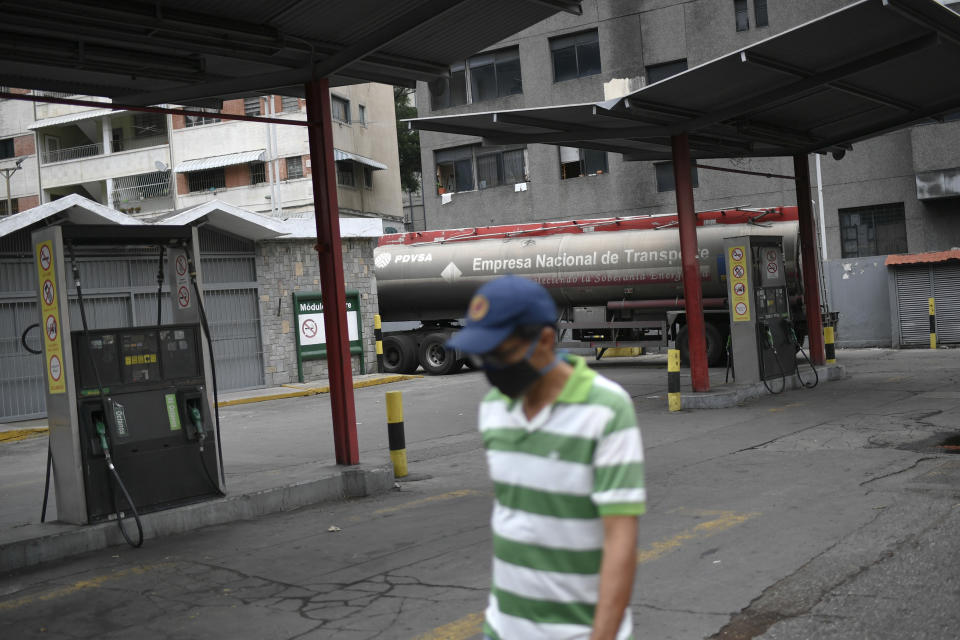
554	478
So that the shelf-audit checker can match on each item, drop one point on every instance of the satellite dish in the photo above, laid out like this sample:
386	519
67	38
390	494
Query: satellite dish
160	166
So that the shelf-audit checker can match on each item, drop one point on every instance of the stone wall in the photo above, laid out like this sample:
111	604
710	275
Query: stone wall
288	266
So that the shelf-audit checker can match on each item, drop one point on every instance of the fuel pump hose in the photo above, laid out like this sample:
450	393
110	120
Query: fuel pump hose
776	356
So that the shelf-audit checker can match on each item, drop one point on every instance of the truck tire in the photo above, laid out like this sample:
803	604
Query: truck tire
399	354
715	345
435	358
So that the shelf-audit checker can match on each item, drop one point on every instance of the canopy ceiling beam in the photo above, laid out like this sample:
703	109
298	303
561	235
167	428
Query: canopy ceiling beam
567	7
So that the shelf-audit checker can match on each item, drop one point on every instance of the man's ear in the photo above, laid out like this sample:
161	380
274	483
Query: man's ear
548	337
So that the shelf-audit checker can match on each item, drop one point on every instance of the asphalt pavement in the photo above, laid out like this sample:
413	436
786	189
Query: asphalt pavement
828	513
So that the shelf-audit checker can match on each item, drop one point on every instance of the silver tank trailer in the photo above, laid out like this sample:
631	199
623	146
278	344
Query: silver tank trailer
435	281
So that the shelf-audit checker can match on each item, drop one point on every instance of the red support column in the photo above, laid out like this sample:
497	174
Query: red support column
689	253
327	214
809	259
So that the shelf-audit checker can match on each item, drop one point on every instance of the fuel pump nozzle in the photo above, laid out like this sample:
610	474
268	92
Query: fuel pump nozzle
790	331
197	418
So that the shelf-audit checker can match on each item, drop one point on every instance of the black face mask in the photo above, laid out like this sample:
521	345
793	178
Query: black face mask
513	379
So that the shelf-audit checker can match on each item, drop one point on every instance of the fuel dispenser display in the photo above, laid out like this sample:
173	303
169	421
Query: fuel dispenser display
762	334
133	423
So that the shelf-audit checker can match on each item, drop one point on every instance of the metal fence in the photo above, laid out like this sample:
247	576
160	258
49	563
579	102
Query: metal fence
142	142
145	186
71	153
121	291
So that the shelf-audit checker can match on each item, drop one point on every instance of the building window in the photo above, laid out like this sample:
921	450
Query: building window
658	72
207	180
362	114
492	166
196	121
452	91
581	162
14	206
368	177
760	13
494	75
251	106
149	125
294	167
743	17
340	109
665	178
6	148
290	104
454	170
575	56
258	172
345	177
873	231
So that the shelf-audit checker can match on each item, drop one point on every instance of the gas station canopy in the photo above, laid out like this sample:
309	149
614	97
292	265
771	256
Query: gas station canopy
196	51
869	68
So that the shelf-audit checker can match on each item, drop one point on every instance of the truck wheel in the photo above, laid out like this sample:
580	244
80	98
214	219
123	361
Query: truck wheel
435	358
715	345
399	354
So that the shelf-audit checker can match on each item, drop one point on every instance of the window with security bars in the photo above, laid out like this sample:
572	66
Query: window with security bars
196	121
340	109
14	206
760	17
581	162
294	167
362	114
742	14
492	167
289	104
345	173
666	181
368	177
575	56
258	172
251	106
207	180
876	230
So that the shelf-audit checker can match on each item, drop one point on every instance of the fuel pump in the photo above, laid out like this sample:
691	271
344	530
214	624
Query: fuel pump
129	408
761	331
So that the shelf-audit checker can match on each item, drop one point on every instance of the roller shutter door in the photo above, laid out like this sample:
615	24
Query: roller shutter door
913	305
946	293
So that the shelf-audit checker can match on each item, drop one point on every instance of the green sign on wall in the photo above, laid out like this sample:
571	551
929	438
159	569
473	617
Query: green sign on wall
311	336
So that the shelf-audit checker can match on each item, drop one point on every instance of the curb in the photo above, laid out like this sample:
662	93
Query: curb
70	540
300	391
727	398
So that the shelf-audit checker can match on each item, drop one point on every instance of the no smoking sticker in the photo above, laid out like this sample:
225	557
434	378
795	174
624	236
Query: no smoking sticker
45	257
309	328
772	268
183	297
737	254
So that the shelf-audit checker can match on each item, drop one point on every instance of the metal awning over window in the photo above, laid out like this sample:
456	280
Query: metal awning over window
923	258
72	117
221	161
339	155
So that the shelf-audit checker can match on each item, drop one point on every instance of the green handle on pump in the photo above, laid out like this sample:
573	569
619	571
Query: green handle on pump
197	419
102	432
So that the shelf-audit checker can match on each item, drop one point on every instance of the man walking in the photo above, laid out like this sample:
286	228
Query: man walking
566	459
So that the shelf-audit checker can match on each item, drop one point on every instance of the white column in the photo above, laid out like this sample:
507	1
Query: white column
107	150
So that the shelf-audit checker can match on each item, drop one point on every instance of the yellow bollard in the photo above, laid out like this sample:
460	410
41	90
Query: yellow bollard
933	324
398	444
673	380
378	336
828	339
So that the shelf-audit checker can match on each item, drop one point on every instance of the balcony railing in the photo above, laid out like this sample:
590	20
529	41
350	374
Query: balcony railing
129	144
71	153
145	186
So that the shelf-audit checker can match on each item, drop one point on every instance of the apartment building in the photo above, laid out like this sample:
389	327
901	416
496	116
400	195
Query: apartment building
146	163
889	195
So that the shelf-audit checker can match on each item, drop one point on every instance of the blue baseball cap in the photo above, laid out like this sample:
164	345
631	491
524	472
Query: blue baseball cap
498	309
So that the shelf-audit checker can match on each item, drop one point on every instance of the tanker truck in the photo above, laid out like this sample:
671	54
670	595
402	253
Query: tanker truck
616	281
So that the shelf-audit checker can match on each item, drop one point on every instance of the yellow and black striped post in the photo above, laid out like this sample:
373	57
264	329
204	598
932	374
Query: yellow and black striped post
933	324
378	336
398	443
673	380
829	336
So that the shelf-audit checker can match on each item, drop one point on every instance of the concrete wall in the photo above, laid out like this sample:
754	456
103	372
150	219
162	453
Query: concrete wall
286	266
113	165
15	117
859	290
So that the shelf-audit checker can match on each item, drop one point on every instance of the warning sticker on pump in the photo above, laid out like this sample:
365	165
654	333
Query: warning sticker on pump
50	310
739	287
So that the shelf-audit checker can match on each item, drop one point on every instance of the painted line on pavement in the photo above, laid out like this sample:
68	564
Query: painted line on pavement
92	583
15	435
450	495
472	624
300	392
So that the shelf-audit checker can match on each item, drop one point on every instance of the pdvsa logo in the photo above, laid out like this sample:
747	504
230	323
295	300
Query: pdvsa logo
414	257
382	260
